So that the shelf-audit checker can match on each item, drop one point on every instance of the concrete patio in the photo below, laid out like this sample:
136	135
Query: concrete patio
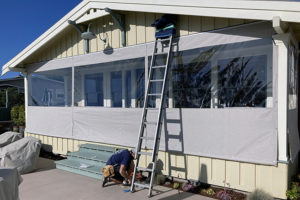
49	183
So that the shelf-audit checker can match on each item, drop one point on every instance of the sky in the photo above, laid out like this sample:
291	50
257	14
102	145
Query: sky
23	21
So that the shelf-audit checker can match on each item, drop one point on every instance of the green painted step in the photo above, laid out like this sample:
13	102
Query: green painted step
99	156
94	171
99	148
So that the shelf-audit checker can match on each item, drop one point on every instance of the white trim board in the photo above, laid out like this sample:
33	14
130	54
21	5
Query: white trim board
258	10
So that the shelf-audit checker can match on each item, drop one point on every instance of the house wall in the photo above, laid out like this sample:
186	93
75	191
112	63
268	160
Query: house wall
241	176
138	31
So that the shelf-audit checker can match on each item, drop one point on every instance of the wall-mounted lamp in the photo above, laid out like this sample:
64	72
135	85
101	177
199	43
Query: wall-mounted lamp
86	35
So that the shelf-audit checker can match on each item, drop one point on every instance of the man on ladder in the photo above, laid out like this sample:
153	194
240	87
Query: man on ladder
165	29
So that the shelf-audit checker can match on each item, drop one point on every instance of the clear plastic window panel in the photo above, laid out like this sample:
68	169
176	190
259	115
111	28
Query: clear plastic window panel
116	89
51	88
231	75
191	79
112	84
93	84
293	77
242	81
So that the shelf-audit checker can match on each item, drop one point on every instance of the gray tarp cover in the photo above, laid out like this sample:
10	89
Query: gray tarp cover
9	137
10	180
21	154
240	134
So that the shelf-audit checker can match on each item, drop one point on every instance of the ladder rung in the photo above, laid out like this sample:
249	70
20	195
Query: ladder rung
150	123
152	108
159	66
145	153
162	40
142	185
157	80
147	138
175	121
160	53
154	94
144	169
173	137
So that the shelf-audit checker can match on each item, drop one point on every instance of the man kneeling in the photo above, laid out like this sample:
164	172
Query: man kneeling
122	164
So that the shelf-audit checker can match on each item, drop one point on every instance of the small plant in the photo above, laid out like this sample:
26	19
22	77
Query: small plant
259	195
294	192
210	192
14	114
223	195
176	185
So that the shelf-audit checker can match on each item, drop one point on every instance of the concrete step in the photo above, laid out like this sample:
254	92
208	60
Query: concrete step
81	167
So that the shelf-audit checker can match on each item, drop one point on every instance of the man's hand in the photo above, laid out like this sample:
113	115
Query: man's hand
124	173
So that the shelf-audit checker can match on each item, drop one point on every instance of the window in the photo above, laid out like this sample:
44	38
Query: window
113	84
242	81
293	77
191	75
51	88
94	89
116	89
232	75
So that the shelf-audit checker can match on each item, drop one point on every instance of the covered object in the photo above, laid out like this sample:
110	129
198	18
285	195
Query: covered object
10	180
9	137
22	154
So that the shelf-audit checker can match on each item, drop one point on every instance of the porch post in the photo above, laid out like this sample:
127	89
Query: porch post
282	42
26	94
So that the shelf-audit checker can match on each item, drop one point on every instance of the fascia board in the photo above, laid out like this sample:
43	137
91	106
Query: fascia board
185	9
228	4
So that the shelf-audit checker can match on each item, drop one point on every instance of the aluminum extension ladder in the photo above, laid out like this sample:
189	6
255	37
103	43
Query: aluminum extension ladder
159	110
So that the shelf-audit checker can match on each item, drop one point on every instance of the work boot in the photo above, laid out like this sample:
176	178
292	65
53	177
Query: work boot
104	180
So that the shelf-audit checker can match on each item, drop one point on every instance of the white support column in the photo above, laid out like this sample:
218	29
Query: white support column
73	86
66	90
107	92
27	84
123	89
282	42
133	88
214	84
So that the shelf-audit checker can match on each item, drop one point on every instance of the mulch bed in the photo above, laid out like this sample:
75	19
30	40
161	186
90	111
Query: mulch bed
209	191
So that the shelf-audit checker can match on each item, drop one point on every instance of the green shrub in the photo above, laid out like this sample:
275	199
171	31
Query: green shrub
14	114
21	118
294	192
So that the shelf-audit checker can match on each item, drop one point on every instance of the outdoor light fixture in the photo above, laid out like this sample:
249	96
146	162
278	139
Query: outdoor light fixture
119	22
87	35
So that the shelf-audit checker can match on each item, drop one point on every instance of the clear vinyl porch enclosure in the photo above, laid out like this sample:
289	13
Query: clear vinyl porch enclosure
222	86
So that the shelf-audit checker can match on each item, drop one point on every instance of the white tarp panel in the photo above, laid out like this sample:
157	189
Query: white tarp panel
239	134
54	121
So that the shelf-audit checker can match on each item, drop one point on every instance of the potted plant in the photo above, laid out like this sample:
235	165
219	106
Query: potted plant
14	114
21	119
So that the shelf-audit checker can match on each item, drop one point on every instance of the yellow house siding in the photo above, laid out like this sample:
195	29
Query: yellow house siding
240	176
138	31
